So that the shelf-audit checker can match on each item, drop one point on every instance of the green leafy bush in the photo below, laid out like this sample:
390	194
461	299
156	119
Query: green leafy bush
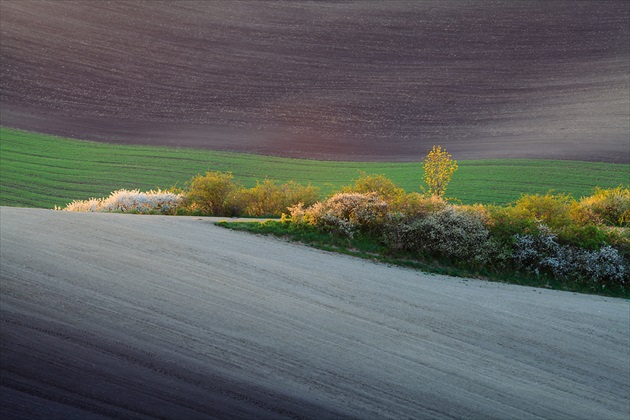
379	184
216	194
505	222
619	238
414	205
212	194
553	210
588	236
608	206
270	198
560	214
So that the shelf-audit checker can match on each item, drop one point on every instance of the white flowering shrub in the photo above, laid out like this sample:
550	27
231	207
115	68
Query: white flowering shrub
543	254
344	213
159	201
297	215
91	205
603	266
451	233
538	251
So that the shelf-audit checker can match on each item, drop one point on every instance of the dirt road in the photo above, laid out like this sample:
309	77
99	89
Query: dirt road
366	80
106	315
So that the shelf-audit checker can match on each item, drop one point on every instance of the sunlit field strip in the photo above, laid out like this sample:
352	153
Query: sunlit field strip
43	171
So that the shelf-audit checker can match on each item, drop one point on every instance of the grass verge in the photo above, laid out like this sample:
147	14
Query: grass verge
371	249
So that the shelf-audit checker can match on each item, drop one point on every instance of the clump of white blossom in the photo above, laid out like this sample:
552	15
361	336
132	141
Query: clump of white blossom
542	253
451	233
136	201
344	213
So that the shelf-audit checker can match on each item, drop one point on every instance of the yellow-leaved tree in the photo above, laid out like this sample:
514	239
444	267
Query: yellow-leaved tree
438	169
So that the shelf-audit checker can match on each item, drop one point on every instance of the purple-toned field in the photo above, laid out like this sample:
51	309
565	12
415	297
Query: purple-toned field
367	80
125	316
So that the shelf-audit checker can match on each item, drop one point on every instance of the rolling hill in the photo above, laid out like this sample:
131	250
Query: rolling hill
357	81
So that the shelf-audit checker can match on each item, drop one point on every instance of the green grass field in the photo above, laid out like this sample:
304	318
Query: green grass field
43	171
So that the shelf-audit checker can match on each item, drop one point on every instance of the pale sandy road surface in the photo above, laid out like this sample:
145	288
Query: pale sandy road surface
107	315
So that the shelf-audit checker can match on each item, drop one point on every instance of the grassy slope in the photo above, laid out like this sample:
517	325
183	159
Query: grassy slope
43	171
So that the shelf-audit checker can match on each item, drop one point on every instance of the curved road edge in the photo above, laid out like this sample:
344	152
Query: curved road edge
112	315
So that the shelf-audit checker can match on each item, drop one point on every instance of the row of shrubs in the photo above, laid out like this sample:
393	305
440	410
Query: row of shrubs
212	194
584	241
553	235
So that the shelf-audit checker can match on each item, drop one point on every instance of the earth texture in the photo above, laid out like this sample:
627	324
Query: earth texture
368	80
127	316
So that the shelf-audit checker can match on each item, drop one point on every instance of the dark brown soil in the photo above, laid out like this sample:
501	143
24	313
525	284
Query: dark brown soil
370	80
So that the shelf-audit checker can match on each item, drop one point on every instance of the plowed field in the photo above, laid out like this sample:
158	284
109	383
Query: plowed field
368	80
